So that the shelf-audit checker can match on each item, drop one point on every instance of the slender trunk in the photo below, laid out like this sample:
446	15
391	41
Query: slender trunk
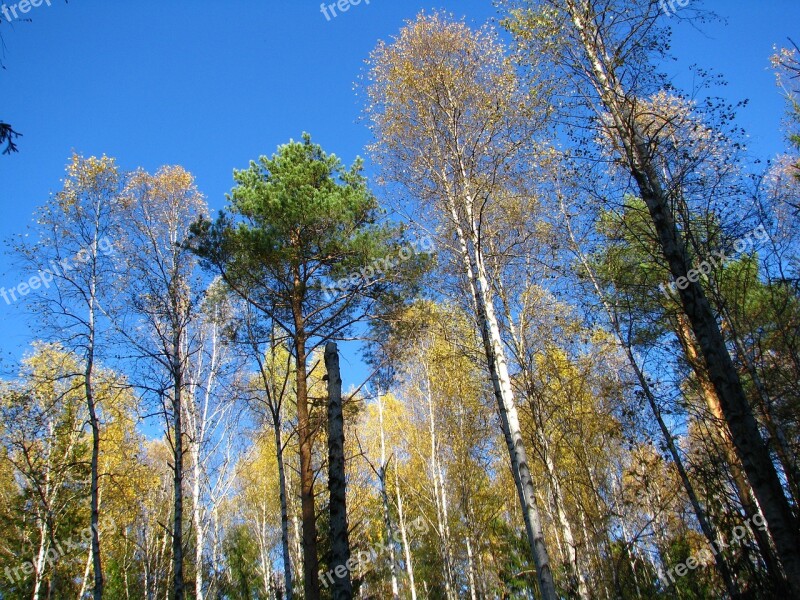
88	383
587	547
450	569
87	570
179	590
97	593
470	569
199	526
197	424
745	433
404	538
263	550
509	420
38	576
387	523
576	575
298	542
337	483
438	492
482	579
216	547
740	483
287	559
387	517
705	524
146	567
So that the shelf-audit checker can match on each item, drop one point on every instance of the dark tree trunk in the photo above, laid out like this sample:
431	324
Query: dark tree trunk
310	558
97	565
745	434
340	544
179	589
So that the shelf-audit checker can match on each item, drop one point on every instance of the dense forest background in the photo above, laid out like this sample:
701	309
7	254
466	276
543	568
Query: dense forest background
577	298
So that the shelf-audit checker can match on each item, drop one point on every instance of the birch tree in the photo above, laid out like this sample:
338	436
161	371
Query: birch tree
452	127
75	256
607	50
271	391
163	292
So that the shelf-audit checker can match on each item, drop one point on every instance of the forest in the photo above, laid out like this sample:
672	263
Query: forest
576	299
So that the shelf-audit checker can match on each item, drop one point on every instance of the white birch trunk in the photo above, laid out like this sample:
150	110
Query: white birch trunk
470	569
404	538
40	560
501	383
86	570
199	526
440	499
387	517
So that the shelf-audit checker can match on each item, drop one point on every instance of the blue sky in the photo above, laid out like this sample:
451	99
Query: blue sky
212	85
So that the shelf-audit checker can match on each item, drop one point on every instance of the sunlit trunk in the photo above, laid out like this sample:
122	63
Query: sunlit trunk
404	538
745	434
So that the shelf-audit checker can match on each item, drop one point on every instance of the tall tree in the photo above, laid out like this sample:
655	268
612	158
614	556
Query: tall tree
296	223
162	293
607	48
74	255
337	484
453	127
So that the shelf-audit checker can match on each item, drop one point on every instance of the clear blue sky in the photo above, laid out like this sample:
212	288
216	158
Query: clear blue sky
211	85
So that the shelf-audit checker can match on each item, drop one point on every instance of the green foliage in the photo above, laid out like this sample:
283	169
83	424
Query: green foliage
241	557
297	223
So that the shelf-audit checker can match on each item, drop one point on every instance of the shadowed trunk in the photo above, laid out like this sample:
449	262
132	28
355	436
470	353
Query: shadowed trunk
340	544
745	434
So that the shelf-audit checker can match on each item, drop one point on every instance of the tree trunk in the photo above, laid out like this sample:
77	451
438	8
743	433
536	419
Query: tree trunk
387	517
470	569
576	575
387	523
87	570
404	538
44	543
337	483
179	590
307	508
740	483
287	559
97	593
440	499
745	433
298	542
501	384
199	527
